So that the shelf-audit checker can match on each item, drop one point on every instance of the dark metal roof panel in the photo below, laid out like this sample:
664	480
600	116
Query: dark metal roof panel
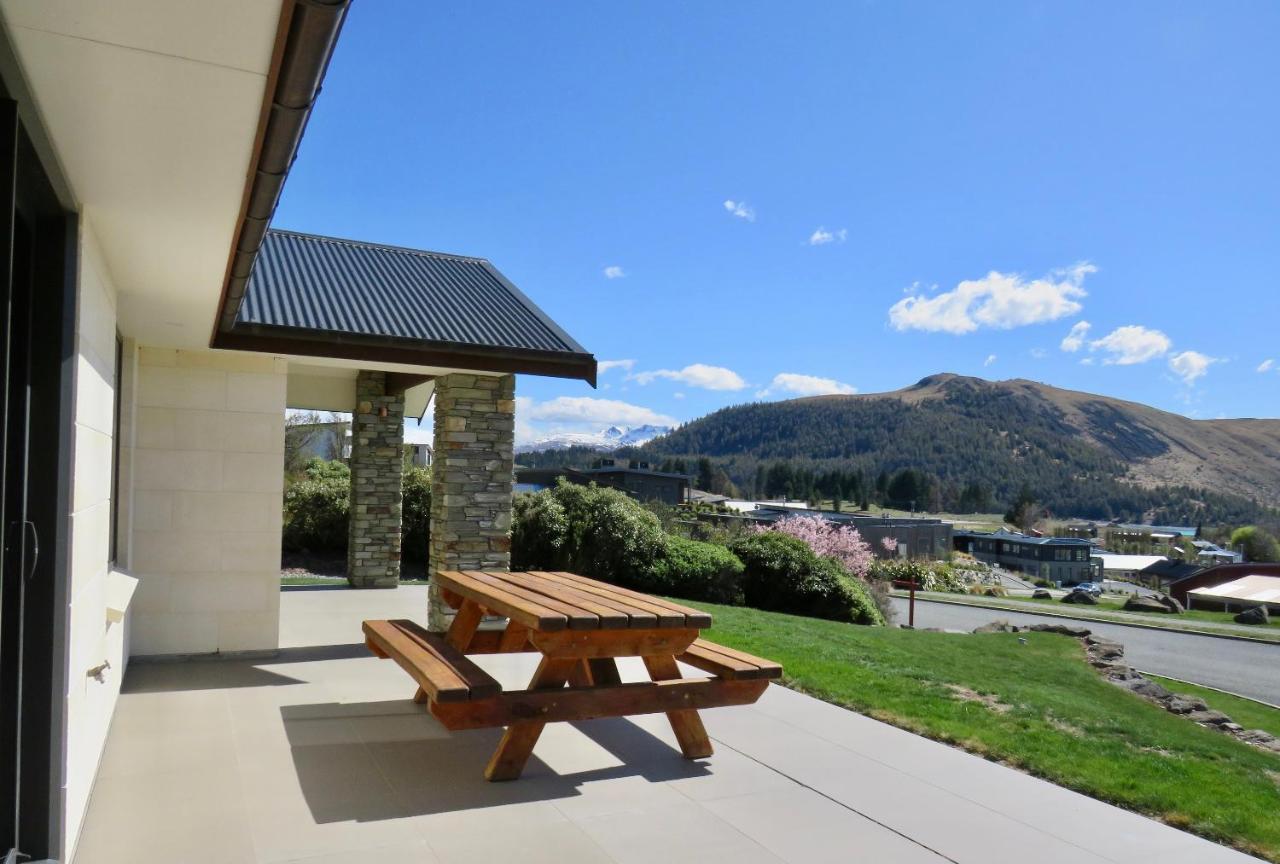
307	282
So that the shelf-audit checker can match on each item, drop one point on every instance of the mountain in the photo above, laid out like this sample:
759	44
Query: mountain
604	441
1079	453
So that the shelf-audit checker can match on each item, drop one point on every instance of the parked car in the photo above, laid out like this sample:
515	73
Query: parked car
1089	588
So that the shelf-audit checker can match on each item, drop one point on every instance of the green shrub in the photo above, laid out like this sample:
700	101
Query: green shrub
698	571
782	574
416	514
316	507
594	531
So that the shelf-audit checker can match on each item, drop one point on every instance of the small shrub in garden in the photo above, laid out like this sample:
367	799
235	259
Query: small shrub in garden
698	571
316	507
828	540
416	514
783	574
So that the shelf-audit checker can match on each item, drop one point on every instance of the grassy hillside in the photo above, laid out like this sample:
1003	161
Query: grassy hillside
1082	455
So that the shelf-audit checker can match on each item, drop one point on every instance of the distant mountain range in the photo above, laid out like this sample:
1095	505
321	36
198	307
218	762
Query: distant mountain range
1081	454
604	441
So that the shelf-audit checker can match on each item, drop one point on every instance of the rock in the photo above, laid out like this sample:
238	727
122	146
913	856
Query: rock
991	592
1104	649
1172	603
1256	736
1254	615
1041	594
1083	598
1231	727
1145	604
1184	704
1064	629
1150	689
998	626
1209	717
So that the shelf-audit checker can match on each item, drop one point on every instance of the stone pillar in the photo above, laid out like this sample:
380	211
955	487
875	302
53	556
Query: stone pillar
471	479
377	468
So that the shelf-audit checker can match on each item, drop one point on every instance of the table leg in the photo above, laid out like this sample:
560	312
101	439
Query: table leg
517	742
604	671
465	624
690	733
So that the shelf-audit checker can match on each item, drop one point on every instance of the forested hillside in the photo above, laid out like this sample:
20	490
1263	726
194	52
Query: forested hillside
965	444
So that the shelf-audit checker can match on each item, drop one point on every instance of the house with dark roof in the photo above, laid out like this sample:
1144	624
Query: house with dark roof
1063	560
1165	572
638	480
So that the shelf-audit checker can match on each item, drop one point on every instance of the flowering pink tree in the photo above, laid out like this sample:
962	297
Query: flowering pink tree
841	542
890	544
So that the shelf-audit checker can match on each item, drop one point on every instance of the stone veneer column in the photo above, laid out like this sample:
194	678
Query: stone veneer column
377	468
471	479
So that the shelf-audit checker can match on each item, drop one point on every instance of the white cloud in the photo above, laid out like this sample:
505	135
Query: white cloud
741	209
1131	344
613	271
1000	301
1074	340
796	384
605	365
1039	353
991	358
677	395
1266	365
586	409
1191	365
821	236
696	375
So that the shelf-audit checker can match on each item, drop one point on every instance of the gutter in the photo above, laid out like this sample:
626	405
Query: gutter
305	40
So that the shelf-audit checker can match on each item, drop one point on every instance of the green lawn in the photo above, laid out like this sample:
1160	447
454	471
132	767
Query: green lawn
335	581
1064	723
1117	604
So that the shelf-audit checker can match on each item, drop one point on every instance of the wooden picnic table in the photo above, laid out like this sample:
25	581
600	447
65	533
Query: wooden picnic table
580	627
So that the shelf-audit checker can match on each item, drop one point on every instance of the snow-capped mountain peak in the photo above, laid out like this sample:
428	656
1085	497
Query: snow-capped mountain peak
605	440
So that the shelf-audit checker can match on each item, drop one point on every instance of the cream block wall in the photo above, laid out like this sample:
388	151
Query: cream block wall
207	480
93	639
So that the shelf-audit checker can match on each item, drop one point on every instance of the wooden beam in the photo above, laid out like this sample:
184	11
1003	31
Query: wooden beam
587	703
613	643
685	722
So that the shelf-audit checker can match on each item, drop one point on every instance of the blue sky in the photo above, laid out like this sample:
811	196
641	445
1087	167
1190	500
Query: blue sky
848	195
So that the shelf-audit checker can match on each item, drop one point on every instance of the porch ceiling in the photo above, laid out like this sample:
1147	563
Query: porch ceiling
153	109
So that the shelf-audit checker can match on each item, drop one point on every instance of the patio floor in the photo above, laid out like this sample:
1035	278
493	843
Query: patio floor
318	755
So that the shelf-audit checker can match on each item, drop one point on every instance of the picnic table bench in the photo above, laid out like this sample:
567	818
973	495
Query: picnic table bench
579	626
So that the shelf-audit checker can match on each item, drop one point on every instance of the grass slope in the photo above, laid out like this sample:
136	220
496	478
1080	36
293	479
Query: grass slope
1064	723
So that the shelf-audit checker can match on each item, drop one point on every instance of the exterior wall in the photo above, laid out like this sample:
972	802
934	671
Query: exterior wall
377	475
471	479
208	478
94	640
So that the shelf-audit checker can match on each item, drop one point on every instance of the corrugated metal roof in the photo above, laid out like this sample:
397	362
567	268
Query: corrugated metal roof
1256	589
324	284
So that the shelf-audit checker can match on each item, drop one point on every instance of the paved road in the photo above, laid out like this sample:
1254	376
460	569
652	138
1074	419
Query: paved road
1248	668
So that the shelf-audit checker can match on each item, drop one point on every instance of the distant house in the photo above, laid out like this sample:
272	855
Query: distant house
638	480
1209	554
1164	573
1238	594
1218	575
914	537
1124	568
420	454
1064	560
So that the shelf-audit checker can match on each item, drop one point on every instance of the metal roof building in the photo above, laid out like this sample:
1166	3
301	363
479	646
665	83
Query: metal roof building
332	297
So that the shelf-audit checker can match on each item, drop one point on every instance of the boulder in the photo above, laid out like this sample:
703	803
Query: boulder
1150	689
1209	716
1041	594
1255	615
1137	603
1064	629
998	626
1083	598
1172	603
1177	704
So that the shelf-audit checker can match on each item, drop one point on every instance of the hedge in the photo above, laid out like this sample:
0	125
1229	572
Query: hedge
782	574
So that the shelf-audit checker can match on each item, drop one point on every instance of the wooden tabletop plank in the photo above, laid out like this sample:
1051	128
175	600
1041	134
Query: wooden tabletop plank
635	615
611	618
663	617
577	617
692	617
534	615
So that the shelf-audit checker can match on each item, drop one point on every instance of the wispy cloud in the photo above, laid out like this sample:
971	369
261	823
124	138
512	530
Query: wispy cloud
741	209
1131	344
1039	353
1266	365
536	419
991	358
1190	366
795	384
1000	301
613	271
696	375
821	236
604	366
1074	340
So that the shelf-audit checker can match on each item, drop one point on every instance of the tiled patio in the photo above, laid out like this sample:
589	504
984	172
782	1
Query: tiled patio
318	755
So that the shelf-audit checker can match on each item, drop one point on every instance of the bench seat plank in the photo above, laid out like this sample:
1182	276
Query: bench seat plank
443	672
728	663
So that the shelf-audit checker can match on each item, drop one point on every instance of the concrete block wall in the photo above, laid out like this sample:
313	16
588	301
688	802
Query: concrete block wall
471	478
208	481
93	640
377	491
